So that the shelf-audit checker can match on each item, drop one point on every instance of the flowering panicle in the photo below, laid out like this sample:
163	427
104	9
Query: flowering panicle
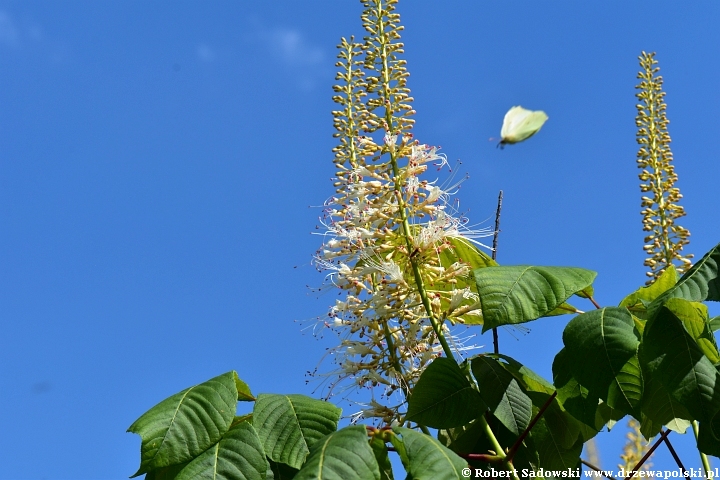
666	239
386	229
387	82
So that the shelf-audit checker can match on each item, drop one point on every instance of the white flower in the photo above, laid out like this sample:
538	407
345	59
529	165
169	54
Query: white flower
386	338
434	231
434	193
424	154
412	185
364	140
340	273
388	268
459	296
357	348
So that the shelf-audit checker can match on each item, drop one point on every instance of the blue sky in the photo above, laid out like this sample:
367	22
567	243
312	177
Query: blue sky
158	161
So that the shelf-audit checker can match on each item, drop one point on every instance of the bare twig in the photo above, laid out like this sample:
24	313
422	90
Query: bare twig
496	341
518	442
497	226
675	455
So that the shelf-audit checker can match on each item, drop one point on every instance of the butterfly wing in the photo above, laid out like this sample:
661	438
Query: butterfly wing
520	124
531	125
512	119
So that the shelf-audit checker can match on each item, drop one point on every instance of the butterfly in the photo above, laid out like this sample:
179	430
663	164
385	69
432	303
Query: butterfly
520	124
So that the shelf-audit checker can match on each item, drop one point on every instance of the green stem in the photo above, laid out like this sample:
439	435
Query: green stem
413	262
392	351
391	348
658	175
703	457
511	468
401	203
408	237
491	436
349	111
496	445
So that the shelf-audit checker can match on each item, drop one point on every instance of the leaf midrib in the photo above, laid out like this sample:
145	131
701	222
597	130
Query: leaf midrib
172	422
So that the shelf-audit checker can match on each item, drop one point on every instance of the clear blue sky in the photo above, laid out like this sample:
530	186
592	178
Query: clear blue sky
158	161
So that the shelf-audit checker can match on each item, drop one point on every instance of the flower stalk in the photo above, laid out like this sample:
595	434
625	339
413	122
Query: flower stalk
661	208
385	230
664	243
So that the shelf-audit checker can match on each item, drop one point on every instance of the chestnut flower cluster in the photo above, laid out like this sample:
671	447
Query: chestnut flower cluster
388	246
661	198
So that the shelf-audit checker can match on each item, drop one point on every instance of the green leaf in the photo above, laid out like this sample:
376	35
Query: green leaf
244	394
240	419
574	397
184	425
564	427
714	323
443	397
553	455
342	455
586	292
580	403
539	391
526	457
602	350
700	283
238	456
425	458
472	438
463	439
463	252
708	441
165	473
563	309
637	300
288	425
627	389
608	416
518	294
400	450
380	451
694	317
639	324
660	409
672	356
528	379
502	394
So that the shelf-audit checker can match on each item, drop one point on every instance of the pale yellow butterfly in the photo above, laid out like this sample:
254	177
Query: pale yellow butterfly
520	124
